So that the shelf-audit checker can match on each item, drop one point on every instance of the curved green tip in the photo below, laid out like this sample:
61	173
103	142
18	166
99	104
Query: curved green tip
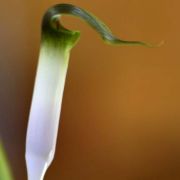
52	26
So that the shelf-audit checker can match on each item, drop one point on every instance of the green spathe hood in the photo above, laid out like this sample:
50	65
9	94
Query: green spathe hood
55	34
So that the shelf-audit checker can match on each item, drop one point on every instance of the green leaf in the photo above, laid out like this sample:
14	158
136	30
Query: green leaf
5	173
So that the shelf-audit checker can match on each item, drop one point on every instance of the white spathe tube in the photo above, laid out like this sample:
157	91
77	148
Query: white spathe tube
45	111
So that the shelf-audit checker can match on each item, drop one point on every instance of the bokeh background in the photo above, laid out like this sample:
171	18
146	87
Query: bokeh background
120	116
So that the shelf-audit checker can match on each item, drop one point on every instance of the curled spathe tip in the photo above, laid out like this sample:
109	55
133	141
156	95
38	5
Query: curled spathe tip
104	31
150	45
116	41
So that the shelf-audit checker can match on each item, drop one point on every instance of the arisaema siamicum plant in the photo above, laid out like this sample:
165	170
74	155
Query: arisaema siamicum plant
56	44
5	173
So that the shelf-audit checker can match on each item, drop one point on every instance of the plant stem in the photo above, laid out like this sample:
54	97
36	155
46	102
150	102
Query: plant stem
5	173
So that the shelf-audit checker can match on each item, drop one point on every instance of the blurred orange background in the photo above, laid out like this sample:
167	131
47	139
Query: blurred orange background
120	118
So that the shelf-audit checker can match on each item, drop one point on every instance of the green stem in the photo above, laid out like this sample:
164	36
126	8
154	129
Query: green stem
5	173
